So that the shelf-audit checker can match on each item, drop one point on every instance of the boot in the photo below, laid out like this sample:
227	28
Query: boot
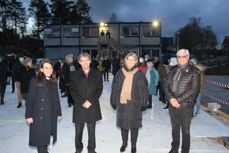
133	148
123	147
19	105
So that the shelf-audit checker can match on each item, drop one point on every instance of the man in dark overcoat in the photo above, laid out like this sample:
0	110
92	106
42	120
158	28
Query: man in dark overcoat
86	87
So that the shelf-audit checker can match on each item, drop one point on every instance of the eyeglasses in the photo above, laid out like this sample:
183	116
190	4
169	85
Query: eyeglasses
184	56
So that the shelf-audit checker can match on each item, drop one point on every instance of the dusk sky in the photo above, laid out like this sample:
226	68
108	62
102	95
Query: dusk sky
172	13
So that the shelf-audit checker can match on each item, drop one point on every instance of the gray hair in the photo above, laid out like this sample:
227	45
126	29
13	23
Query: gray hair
185	51
68	57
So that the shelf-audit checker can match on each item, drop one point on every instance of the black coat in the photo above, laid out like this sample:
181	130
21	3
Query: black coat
43	105
188	86
129	115
25	77
82	89
3	72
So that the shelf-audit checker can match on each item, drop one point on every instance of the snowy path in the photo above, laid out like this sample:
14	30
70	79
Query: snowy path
154	137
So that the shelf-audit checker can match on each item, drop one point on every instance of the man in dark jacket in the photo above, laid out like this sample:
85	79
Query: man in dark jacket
27	72
86	87
69	67
181	89
106	65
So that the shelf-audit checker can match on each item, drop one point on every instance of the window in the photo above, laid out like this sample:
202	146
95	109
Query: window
90	31
52	32
149	31
130	31
70	32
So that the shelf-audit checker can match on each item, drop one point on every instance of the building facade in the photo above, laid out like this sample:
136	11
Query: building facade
103	39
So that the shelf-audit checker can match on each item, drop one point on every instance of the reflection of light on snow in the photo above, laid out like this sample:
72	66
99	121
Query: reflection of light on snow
30	24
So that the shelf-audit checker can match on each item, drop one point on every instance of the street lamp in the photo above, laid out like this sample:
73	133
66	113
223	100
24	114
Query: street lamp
156	23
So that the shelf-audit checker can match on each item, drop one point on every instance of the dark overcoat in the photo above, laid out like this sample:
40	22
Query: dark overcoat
129	116
84	88
43	105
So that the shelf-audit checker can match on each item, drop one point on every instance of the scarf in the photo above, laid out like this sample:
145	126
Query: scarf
127	85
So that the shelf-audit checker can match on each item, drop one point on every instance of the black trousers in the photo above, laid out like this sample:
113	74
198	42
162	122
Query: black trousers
161	92
91	136
67	92
2	91
42	149
106	75
150	101
134	136
180	118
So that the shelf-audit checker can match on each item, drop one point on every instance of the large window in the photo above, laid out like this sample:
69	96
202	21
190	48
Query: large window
128	31
90	31
149	31
52	32
70	32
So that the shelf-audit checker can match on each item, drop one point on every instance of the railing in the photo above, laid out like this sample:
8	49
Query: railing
107	40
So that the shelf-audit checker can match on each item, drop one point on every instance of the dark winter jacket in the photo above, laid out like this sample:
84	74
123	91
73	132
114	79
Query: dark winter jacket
16	70
82	89
188	86
129	115
43	105
3	72
106	65
25	77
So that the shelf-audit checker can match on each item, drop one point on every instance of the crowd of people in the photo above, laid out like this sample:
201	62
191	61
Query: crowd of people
177	82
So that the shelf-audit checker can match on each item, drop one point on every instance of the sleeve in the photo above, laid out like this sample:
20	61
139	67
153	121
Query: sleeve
156	77
194	89
73	89
168	93
94	97
30	99
114	91
143	90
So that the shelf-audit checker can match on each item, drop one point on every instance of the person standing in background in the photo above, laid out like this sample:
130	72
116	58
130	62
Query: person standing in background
17	75
152	77
3	78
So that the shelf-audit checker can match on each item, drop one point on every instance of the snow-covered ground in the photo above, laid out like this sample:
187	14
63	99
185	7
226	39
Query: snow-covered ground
154	137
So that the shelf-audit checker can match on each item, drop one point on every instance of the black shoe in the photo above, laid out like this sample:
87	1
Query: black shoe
64	95
19	105
78	151
173	151
166	107
123	147
133	149
149	106
2	103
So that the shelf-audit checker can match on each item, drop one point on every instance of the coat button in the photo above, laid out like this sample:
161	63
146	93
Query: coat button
41	118
42	108
42	99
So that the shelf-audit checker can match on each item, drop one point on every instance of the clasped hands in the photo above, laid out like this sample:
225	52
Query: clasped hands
174	102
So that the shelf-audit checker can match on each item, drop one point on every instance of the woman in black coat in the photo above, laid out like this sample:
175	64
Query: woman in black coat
129	97
43	108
